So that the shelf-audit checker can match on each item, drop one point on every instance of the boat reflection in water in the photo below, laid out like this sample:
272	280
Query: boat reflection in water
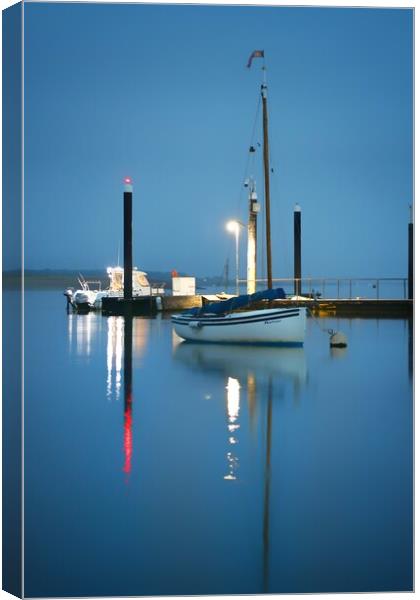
248	367
245	362
257	369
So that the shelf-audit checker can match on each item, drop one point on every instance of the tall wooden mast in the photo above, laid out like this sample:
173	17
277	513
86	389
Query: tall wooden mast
267	180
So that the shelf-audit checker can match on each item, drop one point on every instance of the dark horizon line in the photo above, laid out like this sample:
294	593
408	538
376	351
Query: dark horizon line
100	272
11	272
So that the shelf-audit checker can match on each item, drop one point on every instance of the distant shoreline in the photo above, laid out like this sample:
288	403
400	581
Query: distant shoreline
54	281
50	279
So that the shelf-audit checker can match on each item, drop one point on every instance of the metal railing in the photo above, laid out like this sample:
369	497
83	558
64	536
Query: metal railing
341	288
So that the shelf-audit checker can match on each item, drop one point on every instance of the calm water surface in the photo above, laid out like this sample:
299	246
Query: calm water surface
194	469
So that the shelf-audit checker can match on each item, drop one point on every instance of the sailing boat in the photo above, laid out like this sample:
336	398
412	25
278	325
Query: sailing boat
235	320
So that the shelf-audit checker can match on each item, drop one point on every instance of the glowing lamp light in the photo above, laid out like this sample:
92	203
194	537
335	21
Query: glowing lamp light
128	180
232	226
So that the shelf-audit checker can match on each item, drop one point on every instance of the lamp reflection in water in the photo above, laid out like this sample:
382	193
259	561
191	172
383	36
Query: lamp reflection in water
125	336
70	330
114	351
136	332
81	330
233	406
128	394
133	344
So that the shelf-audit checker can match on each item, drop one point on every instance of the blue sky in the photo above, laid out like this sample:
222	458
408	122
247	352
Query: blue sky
161	93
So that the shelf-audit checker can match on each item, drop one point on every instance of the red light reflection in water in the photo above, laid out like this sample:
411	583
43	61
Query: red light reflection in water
128	435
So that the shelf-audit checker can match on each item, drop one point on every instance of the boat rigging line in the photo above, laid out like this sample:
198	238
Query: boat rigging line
266	175
266	161
250	159
249	165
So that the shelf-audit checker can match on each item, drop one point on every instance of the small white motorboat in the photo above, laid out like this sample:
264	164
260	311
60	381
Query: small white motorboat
229	322
88	298
84	298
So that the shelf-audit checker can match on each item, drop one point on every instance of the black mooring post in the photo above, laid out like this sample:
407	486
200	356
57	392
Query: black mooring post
298	262
410	255
128	239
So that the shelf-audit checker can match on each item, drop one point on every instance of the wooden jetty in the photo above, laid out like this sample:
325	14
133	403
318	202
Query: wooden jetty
361	308
318	306
149	305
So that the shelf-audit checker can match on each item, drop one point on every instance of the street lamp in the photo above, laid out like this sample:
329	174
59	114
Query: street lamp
233	227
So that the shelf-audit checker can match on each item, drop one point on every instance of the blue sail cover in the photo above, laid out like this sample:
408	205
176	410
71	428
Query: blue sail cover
226	306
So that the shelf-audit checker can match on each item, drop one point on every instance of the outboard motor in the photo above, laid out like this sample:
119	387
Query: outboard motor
69	295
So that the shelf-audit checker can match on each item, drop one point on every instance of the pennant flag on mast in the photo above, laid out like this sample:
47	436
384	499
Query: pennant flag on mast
255	54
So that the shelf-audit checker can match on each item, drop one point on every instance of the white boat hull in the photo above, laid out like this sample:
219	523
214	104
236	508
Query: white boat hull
282	326
85	298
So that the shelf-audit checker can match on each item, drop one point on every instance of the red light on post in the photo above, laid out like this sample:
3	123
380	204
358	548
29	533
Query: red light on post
128	184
